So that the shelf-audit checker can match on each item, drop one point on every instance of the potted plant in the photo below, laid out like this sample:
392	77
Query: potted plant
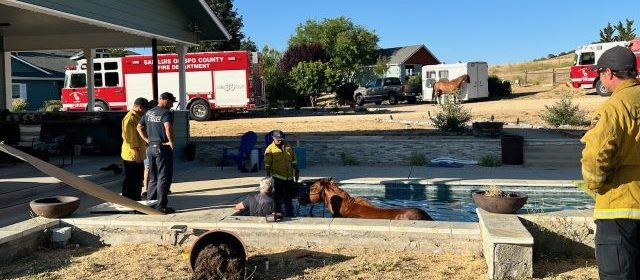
495	200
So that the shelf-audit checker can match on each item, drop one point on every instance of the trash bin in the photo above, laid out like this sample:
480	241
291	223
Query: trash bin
512	149
301	157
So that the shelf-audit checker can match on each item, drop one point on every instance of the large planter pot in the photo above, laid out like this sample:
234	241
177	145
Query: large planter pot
55	207
216	238
500	205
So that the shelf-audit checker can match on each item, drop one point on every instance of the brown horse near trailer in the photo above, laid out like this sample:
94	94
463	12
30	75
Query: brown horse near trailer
448	87
341	204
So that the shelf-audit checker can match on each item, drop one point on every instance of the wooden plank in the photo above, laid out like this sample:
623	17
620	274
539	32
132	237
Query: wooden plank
72	180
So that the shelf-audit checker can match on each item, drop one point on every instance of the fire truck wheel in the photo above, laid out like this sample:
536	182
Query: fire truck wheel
100	106
200	110
601	89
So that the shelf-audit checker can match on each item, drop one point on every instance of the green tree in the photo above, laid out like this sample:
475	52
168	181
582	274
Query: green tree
625	31
277	87
117	52
309	79
349	46
382	66
606	34
248	45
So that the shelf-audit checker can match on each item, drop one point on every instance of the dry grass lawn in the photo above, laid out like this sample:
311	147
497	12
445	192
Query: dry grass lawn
167	262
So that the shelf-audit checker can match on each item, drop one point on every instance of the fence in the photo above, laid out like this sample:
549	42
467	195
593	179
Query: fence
553	77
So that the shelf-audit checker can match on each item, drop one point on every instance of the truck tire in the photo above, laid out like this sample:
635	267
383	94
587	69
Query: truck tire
200	110
602	91
393	99
100	106
412	100
359	100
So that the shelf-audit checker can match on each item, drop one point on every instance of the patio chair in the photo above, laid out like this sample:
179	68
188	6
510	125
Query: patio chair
247	144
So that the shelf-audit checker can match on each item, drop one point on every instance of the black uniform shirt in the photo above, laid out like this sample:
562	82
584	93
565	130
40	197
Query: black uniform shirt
153	121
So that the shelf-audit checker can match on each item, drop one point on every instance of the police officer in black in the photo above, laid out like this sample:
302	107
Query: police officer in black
156	128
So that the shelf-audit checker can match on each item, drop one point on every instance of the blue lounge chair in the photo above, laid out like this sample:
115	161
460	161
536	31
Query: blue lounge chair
247	143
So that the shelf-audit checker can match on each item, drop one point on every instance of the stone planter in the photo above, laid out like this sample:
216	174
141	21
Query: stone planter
500	205
55	207
487	129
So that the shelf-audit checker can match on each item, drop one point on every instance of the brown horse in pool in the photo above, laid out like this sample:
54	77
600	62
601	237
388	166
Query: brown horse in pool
441	87
341	204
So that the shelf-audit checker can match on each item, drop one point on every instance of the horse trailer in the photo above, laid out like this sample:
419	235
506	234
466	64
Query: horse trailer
477	87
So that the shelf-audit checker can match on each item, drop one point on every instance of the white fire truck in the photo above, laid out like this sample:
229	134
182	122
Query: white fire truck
215	82
587	56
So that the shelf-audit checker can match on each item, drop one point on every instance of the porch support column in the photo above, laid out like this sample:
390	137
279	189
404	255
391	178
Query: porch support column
89	54
182	81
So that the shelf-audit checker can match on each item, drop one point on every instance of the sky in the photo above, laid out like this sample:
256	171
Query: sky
464	30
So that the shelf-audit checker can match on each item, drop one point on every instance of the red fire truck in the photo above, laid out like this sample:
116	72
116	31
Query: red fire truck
587	56
215	82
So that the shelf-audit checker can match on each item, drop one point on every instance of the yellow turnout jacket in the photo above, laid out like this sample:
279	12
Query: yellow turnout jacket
611	157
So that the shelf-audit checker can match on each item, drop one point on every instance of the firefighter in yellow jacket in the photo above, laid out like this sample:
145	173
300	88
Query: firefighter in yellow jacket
611	167
280	163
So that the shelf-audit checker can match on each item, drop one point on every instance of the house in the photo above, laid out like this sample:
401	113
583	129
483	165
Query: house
38	76
407	61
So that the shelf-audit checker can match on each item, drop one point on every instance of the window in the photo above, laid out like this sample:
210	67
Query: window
97	79
378	83
430	74
78	81
443	74
371	83
110	66
587	58
97	66
111	79
392	82
19	91
408	70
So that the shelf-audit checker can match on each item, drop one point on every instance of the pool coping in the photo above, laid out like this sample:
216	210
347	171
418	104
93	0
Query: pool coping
462	182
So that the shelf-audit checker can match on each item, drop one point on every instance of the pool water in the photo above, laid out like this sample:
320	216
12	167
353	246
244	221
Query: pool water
454	203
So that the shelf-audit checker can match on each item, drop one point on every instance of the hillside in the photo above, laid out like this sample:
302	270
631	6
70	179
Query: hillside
539	72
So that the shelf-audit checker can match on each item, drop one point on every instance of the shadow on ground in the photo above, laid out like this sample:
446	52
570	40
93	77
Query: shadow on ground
291	263
43	261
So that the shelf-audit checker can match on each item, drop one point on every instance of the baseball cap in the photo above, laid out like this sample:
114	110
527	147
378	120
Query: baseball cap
618	59
142	102
167	96
278	135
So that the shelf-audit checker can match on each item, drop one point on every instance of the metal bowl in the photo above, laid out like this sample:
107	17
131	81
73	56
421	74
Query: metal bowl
55	207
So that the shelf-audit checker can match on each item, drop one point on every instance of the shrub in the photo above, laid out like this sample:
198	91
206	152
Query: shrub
417	159
348	160
452	116
498	88
51	106
415	84
489	161
18	105
563	112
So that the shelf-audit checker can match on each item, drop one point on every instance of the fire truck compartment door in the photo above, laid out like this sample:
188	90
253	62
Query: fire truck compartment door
138	85
230	88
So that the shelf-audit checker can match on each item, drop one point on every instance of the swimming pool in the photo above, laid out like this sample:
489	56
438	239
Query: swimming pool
454	203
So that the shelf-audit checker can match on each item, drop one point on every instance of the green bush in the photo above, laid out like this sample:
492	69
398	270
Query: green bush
417	159
18	105
489	161
52	106
348	160
452	116
415	84
563	112
498	88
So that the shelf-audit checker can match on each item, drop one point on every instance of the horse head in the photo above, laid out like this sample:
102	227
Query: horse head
467	78
315	192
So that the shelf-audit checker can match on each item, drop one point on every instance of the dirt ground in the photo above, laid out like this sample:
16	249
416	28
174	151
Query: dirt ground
524	105
168	262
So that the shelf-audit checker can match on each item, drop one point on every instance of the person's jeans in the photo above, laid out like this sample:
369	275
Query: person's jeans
133	175
284	191
160	173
